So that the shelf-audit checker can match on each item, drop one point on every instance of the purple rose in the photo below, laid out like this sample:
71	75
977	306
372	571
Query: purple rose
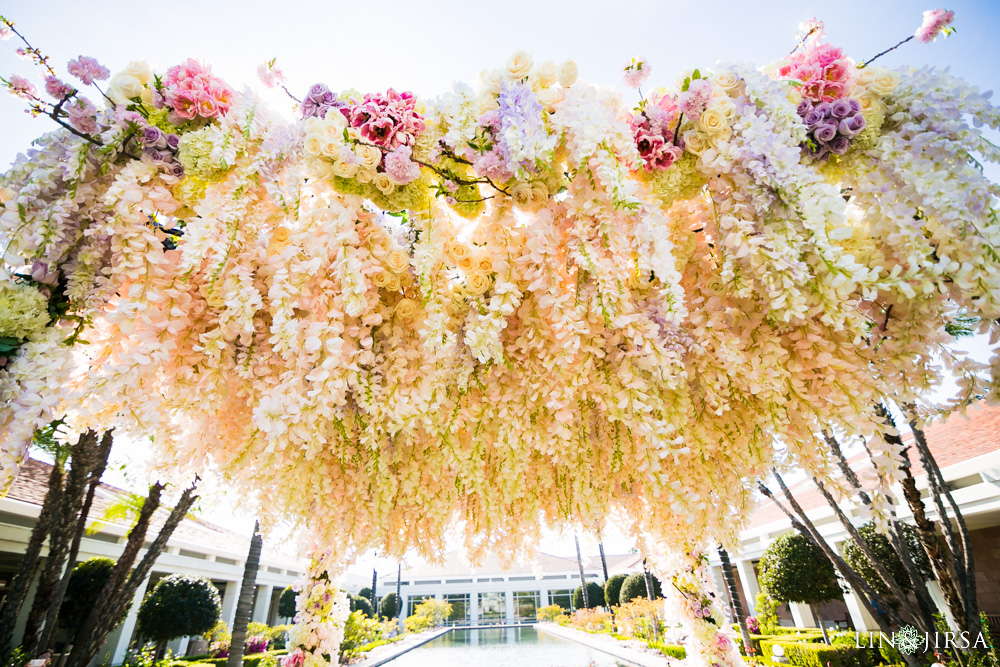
175	169
855	105
812	118
841	109
823	108
308	108
818	151
153	137
318	92
329	98
851	126
825	132
40	272
173	142
805	106
840	145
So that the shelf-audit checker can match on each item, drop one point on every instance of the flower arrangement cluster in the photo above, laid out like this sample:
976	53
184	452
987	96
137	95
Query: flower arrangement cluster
527	302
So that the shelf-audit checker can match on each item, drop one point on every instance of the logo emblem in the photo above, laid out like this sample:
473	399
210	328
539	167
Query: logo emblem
908	640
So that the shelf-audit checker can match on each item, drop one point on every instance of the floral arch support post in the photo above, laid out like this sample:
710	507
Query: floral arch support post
525	304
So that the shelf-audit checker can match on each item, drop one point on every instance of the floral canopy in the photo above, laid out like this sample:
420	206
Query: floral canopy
525	304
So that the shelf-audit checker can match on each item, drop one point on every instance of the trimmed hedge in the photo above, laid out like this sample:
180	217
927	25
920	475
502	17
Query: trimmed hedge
205	661
673	651
806	654
805	637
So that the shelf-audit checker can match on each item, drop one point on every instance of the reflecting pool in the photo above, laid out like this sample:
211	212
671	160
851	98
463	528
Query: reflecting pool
504	647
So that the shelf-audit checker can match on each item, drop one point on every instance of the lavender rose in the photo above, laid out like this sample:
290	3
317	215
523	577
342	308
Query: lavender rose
318	92
812	118
850	127
841	109
173	142
153	137
840	145
825	132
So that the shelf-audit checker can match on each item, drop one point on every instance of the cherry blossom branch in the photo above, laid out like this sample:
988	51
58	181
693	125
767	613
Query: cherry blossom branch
868	62
803	40
443	174
35	54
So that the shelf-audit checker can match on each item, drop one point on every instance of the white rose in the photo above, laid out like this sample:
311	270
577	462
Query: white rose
491	81
457	251
694	142
519	65
313	144
477	282
123	87
140	69
365	175
521	194
550	97
712	121
539	194
568	74
727	80
547	73
381	278
884	82
397	261
406	308
344	169
384	183
483	263
369	155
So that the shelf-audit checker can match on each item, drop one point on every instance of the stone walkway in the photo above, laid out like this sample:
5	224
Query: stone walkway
634	652
383	654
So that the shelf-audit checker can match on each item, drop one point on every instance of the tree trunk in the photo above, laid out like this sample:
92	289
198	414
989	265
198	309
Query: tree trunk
583	579
734	599
604	561
61	530
118	592
399	590
925	527
925	606
29	563
819	622
245	604
963	560
96	472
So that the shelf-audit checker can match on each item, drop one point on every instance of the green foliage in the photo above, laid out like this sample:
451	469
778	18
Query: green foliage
886	554
427	614
365	593
179	605
18	658
549	612
286	603
85	583
767	613
595	596
669	650
359	632
612	588
363	605
389	607
634	587
793	569
818	655
217	633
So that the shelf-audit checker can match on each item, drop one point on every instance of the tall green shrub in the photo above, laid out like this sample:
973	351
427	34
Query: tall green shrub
286	603
363	605
179	605
85	584
388	607
634	587
887	555
612	589
793	569
595	596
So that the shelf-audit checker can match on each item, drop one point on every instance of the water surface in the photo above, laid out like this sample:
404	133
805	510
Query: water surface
504	647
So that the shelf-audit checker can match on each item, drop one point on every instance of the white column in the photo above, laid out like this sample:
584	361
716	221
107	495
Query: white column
229	599
508	598
474	608
263	604
748	578
543	597
127	628
802	615
862	620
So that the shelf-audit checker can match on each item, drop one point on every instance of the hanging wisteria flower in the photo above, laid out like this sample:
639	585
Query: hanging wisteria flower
936	22
23	310
270	74
637	70
88	70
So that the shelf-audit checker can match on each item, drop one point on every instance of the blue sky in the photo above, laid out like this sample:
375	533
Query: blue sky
426	46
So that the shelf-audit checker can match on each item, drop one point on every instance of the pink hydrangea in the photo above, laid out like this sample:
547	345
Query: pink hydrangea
400	167
88	70
57	88
83	116
825	73
389	120
935	20
191	92
637	71
696	98
21	87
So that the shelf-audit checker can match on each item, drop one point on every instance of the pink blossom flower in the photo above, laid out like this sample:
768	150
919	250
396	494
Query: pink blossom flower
88	70
935	21
400	167
696	98
5	31
823	70
83	116
57	89
637	71
21	87
184	103
813	30
270	75
191	91
389	120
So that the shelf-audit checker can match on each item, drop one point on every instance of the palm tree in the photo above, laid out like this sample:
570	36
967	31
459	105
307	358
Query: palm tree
604	561
734	596
245	604
583	579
